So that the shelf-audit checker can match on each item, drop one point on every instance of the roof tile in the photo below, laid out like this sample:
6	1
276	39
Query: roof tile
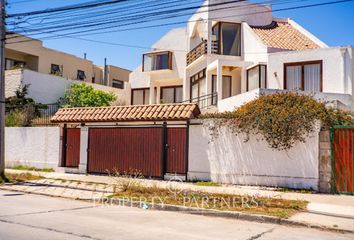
283	35
158	112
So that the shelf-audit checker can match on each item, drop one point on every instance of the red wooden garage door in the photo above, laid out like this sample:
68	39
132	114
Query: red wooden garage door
72	156
125	149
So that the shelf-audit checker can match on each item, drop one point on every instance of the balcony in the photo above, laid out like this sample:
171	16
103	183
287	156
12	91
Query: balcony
200	50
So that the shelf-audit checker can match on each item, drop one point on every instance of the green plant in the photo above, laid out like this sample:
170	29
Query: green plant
82	95
21	167
281	119
207	184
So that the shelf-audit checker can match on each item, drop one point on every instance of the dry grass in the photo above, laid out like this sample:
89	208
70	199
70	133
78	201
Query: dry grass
22	177
275	207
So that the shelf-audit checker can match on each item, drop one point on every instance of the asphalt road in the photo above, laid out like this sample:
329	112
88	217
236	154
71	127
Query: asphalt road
25	216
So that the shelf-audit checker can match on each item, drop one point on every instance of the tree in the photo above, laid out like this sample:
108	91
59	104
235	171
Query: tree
82	95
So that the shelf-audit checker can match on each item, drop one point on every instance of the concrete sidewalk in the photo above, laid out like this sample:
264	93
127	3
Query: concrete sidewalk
332	211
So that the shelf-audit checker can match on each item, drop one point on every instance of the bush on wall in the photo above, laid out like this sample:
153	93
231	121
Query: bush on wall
83	95
281	119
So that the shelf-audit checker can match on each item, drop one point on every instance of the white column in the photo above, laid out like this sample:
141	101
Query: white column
219	80
83	149
243	80
152	94
209	34
186	86
158	95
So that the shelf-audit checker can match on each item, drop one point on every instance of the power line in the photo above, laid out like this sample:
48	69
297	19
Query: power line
183	22
155	16
66	8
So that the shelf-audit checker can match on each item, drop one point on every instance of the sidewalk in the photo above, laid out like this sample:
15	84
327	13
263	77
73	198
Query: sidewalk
331	211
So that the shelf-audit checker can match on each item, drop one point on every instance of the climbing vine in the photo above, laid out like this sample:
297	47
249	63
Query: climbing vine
281	119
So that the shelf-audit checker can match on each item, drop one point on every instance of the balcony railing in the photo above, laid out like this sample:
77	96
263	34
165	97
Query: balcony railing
205	101
202	49
197	52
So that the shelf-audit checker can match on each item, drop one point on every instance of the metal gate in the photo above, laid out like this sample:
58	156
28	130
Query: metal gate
126	148
72	153
176	161
342	138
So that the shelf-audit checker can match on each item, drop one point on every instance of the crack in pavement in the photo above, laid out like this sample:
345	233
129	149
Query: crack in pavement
49	229
48	211
261	234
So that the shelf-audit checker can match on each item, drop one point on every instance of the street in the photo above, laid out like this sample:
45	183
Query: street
25	216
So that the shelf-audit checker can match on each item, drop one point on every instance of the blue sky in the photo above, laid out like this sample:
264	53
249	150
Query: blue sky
333	24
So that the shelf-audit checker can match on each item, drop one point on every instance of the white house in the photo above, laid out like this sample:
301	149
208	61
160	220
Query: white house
231	52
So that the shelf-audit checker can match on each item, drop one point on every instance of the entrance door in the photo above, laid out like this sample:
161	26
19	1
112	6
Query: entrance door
177	150
72	156
343	158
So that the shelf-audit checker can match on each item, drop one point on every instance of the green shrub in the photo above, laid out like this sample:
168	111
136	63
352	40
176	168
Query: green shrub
281	119
83	95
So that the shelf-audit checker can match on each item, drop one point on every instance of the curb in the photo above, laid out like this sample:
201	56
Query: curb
229	215
201	212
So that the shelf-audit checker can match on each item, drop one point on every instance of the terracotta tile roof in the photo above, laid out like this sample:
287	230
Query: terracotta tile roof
284	36
158	112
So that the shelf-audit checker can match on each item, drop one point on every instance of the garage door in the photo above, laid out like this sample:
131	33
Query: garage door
125	149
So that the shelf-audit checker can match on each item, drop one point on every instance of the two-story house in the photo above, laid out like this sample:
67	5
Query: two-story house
30	54
229	54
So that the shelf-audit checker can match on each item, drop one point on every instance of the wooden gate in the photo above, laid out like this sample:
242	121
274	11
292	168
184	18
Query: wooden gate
176	161
125	149
342	159
72	153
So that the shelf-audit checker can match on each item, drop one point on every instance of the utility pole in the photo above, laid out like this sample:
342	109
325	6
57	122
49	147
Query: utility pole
2	88
105	73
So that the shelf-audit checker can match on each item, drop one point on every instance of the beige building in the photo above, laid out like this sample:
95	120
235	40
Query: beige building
29	53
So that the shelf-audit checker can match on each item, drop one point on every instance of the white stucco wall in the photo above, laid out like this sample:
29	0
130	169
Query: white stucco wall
32	146
46	88
228	159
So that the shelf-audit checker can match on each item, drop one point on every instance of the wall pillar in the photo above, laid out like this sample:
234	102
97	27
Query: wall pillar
325	162
219	81
83	149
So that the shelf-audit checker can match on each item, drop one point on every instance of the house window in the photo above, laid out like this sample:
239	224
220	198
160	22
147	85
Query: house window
81	75
55	70
228	38
304	76
157	61
198	85
226	85
140	96
11	64
172	94
257	77
117	84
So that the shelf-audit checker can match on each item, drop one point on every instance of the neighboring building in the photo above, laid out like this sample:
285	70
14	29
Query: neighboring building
227	57
29	53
